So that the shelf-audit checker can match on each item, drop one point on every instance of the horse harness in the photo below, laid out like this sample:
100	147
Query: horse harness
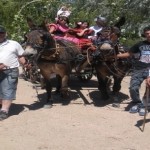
107	56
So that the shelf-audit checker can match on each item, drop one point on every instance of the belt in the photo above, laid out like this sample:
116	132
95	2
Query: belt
8	68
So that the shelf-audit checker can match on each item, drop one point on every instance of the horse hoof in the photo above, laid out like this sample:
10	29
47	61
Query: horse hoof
117	105
47	106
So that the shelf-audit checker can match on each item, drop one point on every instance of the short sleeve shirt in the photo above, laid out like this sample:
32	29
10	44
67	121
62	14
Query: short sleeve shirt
96	29
59	30
9	52
141	53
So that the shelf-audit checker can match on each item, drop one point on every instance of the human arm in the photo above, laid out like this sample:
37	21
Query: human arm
133	51
22	60
52	28
81	33
124	55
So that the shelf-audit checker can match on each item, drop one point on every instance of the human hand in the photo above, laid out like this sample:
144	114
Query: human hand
2	66
148	81
27	65
86	29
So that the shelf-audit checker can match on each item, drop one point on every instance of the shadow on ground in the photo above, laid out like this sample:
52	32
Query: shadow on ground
76	91
99	102
140	124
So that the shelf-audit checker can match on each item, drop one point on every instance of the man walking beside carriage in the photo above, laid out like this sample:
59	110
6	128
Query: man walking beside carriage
10	58
141	53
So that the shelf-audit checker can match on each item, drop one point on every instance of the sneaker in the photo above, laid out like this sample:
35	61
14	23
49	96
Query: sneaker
136	108
3	115
142	111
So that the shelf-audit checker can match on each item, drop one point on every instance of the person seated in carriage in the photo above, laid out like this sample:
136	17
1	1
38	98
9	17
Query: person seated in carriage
61	26
79	35
109	34
100	23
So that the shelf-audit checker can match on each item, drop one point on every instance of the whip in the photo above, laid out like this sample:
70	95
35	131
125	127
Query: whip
146	105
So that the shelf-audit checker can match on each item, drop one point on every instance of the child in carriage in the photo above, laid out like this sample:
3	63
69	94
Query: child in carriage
78	35
60	28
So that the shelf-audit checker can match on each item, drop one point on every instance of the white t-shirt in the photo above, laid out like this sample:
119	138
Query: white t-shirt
96	29
9	52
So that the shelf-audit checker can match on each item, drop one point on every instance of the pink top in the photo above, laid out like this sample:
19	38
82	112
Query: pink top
59	30
60	33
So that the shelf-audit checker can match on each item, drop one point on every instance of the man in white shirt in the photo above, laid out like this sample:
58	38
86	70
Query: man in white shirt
10	58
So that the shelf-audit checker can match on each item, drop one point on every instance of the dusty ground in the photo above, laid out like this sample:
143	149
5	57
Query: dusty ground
73	125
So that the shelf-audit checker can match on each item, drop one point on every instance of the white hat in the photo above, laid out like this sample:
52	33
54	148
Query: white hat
64	13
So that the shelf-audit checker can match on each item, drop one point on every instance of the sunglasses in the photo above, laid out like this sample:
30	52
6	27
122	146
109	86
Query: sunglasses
63	19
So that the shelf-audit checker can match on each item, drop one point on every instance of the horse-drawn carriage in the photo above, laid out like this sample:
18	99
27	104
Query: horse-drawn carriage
61	57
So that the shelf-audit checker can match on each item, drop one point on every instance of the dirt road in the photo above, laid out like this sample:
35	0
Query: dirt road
72	125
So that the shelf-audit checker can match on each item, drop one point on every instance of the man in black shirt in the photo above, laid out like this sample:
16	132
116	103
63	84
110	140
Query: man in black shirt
141	52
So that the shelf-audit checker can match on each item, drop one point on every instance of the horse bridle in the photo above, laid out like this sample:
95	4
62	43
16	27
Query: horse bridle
100	57
45	47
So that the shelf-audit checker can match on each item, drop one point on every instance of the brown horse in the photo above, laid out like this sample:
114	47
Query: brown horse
52	57
106	67
105	63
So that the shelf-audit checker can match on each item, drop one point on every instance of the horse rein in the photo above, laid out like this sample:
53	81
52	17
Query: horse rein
101	57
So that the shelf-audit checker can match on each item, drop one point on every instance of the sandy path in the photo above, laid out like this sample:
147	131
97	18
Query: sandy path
73	125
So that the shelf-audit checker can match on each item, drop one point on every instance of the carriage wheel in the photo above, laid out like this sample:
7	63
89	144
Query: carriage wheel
85	75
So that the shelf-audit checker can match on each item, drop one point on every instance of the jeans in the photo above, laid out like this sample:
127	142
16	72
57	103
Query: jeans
137	77
8	83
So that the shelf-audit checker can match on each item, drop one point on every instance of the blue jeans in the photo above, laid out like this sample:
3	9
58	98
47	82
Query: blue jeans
137	77
8	83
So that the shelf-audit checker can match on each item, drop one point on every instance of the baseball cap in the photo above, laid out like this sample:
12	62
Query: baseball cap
99	18
2	29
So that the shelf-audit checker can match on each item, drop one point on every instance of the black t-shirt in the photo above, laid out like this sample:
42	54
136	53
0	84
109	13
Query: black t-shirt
141	53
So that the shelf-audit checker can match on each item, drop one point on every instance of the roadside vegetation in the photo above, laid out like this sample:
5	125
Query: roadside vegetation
13	14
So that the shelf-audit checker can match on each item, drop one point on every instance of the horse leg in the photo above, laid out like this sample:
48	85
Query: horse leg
102	86
48	88
58	84
42	82
116	89
64	88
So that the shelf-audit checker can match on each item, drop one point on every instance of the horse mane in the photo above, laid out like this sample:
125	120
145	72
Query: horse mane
70	47
120	22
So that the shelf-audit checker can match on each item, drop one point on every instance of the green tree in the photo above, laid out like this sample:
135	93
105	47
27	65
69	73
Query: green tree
13	13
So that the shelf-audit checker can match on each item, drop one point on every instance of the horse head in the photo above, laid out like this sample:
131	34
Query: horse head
109	40
107	43
39	41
